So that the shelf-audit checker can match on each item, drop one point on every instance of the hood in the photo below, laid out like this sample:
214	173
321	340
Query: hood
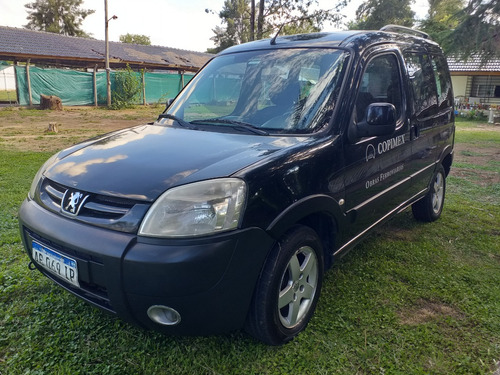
144	161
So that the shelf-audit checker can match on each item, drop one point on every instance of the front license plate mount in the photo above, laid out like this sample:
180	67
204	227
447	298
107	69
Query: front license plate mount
57	264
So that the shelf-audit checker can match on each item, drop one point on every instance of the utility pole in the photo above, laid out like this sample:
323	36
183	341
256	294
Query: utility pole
106	38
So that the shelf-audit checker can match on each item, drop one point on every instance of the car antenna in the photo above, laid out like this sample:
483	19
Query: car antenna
273	41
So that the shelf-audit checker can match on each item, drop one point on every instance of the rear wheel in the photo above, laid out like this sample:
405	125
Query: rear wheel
288	288
429	208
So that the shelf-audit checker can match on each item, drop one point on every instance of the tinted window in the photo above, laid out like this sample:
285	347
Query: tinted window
423	84
380	83
284	90
443	82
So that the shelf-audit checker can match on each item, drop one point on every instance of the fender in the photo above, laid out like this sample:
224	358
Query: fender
447	152
313	204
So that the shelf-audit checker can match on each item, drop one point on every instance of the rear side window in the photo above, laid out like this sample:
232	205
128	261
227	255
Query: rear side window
443	82
423	84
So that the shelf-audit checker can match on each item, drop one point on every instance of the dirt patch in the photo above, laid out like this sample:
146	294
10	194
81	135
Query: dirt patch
27	130
482	127
428	311
481	178
466	153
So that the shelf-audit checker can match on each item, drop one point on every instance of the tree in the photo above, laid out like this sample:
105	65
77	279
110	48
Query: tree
374	14
236	15
291	16
477	31
442	18
57	16
135	39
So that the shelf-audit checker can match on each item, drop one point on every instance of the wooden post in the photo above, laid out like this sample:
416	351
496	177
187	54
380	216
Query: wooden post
17	86
95	86
144	87
29	82
182	79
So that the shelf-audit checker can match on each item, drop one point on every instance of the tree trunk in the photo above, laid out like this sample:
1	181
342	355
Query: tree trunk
260	20
252	21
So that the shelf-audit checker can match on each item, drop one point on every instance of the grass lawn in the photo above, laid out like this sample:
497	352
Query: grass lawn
8	96
413	298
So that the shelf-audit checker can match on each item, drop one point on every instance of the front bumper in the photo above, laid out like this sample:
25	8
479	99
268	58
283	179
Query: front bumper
209	281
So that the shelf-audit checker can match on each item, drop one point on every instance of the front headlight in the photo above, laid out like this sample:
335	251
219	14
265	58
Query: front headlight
196	209
39	174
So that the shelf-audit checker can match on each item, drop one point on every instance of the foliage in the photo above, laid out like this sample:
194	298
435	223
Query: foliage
413	298
236	15
57	16
442	18
473	115
288	16
126	89
135	39
477	30
374	14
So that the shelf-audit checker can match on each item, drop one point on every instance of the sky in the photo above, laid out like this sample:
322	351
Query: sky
180	24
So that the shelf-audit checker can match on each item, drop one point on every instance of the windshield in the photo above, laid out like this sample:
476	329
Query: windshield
278	91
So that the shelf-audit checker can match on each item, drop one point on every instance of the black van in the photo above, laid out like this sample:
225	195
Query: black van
275	159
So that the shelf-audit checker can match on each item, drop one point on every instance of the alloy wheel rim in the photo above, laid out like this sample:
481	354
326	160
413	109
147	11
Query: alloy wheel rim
298	287
438	193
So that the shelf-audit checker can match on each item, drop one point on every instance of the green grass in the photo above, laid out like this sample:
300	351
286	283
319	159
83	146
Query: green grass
8	95
413	298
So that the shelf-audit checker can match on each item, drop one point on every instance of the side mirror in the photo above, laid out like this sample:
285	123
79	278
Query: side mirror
169	102
380	120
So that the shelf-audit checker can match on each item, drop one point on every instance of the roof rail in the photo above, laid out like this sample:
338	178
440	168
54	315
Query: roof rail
396	28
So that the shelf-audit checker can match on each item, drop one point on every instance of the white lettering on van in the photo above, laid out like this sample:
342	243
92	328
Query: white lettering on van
390	144
383	176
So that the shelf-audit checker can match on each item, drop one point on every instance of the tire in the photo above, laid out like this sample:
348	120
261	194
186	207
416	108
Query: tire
429	208
288	288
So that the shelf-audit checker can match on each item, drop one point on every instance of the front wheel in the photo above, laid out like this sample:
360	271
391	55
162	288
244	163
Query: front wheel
288	288
429	208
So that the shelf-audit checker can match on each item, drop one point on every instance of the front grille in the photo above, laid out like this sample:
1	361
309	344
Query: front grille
105	211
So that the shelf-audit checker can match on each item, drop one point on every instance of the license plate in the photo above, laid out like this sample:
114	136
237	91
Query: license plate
57	264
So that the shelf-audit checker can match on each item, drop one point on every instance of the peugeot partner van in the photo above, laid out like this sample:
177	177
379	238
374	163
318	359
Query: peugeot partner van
275	159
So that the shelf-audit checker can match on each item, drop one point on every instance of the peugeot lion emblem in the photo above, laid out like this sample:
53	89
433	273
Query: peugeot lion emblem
72	202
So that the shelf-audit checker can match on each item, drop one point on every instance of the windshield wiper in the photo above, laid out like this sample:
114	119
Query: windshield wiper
234	124
181	122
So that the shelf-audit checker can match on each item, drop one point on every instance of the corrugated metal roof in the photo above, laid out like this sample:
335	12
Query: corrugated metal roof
43	46
473	64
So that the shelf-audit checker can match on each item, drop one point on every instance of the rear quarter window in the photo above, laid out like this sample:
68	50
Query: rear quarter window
443	82
423	84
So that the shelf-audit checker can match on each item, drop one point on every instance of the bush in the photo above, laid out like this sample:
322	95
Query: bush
473	115
127	89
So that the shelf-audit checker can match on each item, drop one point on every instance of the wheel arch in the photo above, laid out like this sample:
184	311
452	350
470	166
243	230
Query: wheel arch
321	213
447	159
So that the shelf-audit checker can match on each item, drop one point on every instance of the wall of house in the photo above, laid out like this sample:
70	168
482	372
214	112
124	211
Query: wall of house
476	90
459	84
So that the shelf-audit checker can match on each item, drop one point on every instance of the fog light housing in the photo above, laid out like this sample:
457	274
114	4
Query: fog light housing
164	315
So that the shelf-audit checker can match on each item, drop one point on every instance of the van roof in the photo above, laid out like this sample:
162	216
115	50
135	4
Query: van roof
352	39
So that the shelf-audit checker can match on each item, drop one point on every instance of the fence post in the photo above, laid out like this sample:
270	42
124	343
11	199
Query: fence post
16	63
144	102
95	86
29	82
